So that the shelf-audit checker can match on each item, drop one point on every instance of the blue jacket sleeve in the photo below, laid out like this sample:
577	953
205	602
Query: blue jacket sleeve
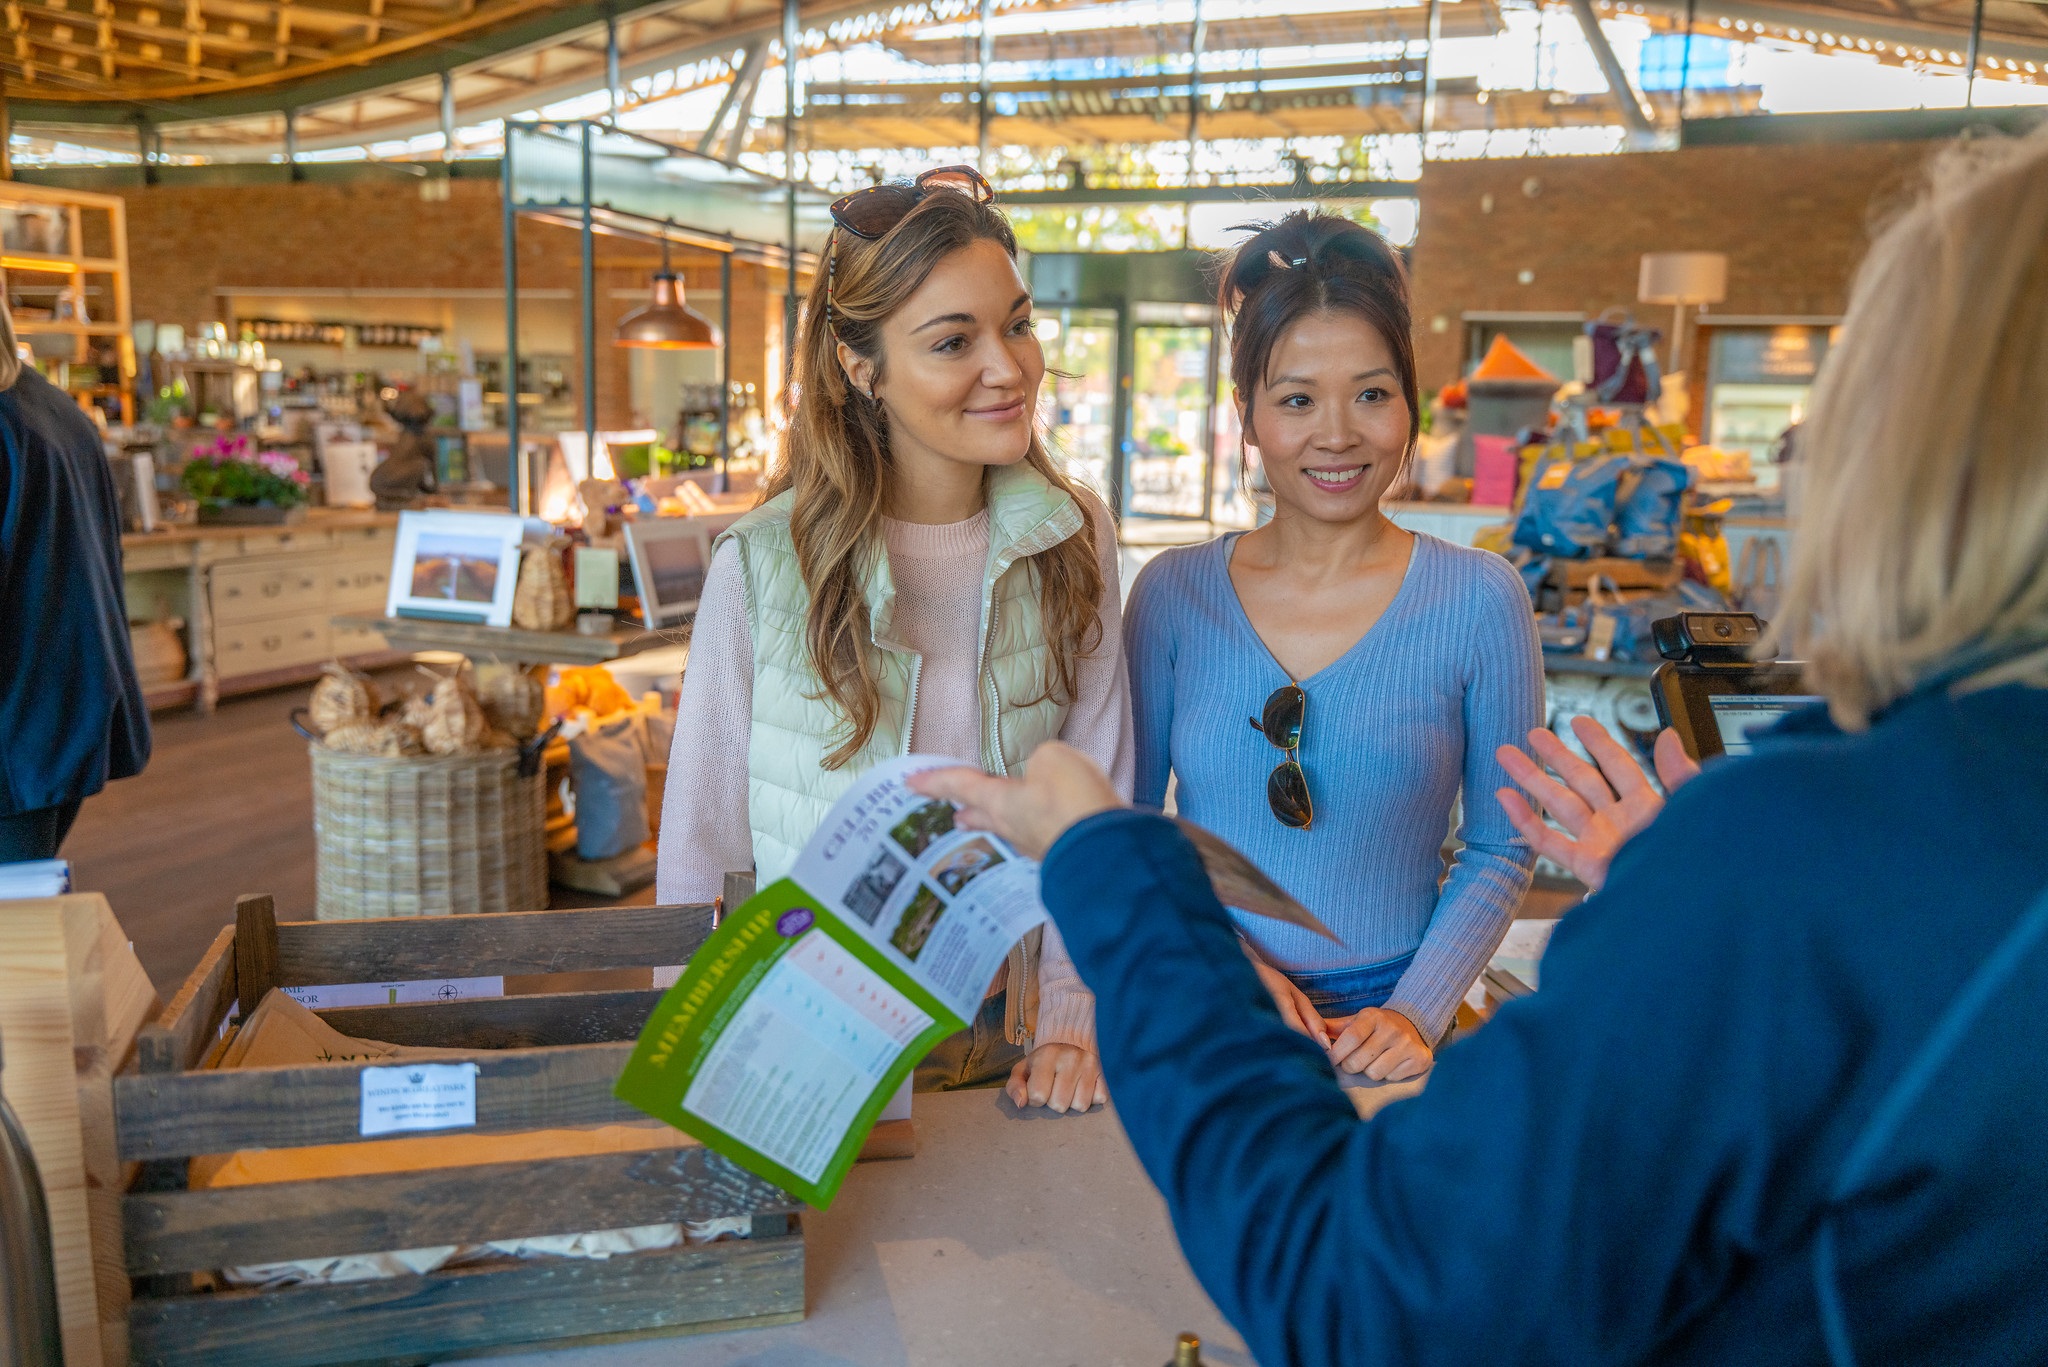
1556	1195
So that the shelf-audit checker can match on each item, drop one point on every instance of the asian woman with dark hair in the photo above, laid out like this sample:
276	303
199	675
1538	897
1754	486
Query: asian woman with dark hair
1381	669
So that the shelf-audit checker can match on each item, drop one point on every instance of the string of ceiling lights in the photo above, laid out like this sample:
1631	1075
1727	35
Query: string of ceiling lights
1832	42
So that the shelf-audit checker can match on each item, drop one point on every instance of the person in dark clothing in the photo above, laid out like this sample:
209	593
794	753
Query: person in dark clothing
72	714
1637	1163
1780	1098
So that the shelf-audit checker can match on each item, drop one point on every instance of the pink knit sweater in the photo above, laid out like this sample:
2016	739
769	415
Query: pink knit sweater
938	572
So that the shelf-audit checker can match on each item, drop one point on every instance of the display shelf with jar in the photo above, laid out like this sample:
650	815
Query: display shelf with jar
64	273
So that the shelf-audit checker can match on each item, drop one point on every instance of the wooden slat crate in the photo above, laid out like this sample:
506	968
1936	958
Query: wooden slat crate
544	1061
73	998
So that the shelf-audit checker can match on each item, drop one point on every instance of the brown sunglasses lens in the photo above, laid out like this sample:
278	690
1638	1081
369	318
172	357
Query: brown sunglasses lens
1287	795
1286	708
872	212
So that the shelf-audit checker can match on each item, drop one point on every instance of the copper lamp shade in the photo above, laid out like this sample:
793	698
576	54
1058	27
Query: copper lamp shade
664	322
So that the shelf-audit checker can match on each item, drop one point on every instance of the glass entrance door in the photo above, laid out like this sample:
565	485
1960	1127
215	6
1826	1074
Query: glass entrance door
1169	469
1077	402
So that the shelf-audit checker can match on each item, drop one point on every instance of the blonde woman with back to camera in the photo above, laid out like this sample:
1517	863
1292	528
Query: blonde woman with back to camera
921	577
1781	1097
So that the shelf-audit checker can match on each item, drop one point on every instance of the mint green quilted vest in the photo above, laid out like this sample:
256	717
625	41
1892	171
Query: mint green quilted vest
789	790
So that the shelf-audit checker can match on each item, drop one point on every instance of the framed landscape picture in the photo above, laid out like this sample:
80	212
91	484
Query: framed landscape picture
670	556
456	566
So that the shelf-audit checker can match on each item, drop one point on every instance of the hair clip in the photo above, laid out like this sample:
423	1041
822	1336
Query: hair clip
1283	263
831	278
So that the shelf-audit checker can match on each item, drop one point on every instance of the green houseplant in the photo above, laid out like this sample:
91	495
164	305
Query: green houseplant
232	482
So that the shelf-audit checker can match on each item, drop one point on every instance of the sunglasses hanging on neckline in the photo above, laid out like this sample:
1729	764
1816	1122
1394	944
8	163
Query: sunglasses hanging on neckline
1286	712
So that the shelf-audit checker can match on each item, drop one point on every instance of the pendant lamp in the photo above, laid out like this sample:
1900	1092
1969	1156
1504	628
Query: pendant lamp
664	322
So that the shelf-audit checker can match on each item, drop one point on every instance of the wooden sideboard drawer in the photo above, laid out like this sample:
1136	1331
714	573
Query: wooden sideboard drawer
228	544
243	592
347	642
260	645
169	555
353	541
357	584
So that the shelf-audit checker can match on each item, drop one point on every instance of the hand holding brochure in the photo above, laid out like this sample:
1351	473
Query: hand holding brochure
805	1010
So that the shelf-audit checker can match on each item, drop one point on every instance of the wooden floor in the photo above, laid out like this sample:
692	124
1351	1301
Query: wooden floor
225	807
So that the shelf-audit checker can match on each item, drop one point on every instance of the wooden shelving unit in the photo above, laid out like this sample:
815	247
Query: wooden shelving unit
92	319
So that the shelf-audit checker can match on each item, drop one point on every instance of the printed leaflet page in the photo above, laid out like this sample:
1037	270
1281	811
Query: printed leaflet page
946	903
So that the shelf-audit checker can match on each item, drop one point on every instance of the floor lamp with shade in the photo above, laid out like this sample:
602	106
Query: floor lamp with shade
1682	280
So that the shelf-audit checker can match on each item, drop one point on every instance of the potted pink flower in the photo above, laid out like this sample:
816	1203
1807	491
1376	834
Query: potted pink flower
234	483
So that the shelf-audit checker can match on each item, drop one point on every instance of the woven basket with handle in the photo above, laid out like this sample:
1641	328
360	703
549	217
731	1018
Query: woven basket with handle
427	836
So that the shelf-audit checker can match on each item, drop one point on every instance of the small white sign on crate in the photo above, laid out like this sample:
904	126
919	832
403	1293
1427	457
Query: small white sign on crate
418	1096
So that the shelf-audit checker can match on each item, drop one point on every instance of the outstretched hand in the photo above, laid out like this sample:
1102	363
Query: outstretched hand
1060	786
1601	809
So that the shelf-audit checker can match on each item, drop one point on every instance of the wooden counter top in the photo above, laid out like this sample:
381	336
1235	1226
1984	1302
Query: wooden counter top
505	643
316	520
1012	1239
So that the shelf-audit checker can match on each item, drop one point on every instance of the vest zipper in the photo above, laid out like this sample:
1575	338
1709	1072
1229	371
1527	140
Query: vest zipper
1023	970
992	730
910	713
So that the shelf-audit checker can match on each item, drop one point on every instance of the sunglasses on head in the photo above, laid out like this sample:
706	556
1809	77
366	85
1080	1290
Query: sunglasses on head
1287	787
871	213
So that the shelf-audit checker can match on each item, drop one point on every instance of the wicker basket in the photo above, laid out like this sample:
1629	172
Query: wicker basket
427	837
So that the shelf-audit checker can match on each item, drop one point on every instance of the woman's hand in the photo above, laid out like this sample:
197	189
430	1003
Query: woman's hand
1293	1004
1382	1044
1600	809
1059	1077
1060	786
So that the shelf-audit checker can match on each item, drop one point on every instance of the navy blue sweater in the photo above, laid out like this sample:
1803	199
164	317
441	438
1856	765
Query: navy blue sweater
72	715
1631	1165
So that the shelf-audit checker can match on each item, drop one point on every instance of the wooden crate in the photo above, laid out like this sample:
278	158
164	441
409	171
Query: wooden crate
1567	581
544	1061
1575	576
72	999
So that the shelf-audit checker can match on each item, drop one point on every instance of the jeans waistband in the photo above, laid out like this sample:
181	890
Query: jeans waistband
1342	991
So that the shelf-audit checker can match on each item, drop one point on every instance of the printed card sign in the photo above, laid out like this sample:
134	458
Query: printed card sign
418	1096
326	998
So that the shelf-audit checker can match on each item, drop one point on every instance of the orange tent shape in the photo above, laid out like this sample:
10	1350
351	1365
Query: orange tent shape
1506	361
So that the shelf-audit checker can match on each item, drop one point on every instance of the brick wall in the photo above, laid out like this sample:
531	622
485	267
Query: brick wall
1794	221
185	243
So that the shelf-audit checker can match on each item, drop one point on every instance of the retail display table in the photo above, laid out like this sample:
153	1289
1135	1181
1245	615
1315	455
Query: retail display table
1011	1240
510	644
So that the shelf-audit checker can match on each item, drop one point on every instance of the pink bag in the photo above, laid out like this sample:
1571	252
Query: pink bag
1495	465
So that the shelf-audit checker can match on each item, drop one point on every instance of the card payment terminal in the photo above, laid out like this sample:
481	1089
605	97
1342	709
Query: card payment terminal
1712	691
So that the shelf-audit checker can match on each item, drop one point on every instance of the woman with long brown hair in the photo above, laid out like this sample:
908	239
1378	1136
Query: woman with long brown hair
920	577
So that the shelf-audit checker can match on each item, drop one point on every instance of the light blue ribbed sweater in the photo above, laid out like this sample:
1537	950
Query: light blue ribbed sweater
1394	727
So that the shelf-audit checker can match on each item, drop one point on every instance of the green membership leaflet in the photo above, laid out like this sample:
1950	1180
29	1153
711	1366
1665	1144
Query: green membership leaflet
802	1014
